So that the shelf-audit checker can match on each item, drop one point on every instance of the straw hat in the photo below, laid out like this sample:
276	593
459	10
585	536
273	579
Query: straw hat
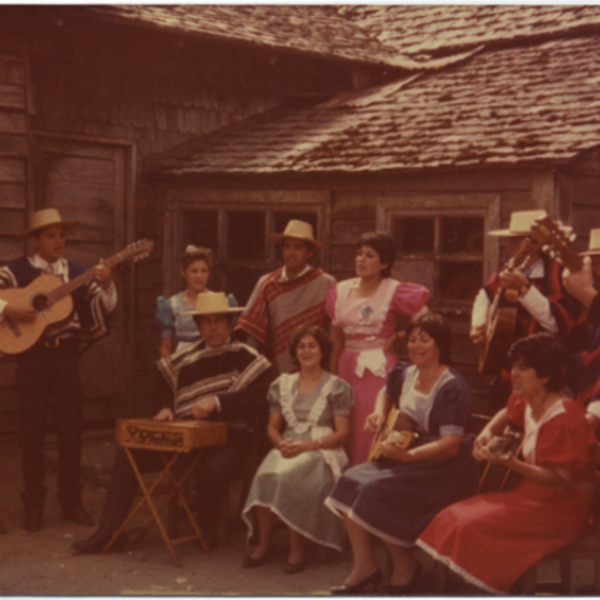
520	223
45	218
594	249
299	230
212	303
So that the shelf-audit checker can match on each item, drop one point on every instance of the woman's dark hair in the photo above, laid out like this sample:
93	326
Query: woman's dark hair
548	356
194	253
437	327
319	334
384	245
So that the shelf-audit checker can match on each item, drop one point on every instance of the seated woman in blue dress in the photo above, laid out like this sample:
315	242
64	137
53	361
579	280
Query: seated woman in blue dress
394	497
177	329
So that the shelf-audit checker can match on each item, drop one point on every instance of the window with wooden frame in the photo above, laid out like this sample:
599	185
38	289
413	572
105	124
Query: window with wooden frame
240	239
443	251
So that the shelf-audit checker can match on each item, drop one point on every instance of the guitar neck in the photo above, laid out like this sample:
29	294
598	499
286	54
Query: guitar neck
83	279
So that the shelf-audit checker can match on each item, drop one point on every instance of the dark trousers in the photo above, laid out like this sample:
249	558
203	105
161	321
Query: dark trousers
211	479
48	379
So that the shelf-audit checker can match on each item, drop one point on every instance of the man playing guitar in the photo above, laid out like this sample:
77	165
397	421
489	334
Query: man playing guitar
47	373
541	302
581	285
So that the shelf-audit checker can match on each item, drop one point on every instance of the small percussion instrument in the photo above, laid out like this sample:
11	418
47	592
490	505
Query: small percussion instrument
172	440
170	436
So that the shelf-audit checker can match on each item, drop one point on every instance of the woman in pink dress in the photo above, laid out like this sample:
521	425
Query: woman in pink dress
363	314
491	539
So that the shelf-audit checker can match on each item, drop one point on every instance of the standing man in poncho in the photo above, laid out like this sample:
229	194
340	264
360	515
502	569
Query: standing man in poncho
290	296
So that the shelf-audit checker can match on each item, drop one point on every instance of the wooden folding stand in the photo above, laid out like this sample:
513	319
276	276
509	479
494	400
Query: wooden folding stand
174	438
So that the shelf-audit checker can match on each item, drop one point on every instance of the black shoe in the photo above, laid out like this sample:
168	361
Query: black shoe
78	515
33	521
250	562
33	503
357	589
97	542
389	589
291	568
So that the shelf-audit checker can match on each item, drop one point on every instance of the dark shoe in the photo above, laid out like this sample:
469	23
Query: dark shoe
291	568
250	562
78	515
357	589
389	589
33	521
34	509
97	542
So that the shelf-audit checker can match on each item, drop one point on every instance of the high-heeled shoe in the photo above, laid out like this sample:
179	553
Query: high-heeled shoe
389	589
356	589
250	562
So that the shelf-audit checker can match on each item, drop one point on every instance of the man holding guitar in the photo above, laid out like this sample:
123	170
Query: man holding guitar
582	284
532	299
47	371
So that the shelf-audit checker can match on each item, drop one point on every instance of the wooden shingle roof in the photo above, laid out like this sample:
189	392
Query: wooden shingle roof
507	106
425	30
311	29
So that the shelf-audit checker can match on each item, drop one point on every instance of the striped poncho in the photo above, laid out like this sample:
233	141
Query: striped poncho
229	372
277	307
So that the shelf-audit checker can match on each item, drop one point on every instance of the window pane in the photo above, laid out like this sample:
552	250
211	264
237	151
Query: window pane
200	227
460	281
245	235
414	235
462	235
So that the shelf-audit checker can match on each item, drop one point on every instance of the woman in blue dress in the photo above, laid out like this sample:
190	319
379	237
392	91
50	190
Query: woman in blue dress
178	330
394	497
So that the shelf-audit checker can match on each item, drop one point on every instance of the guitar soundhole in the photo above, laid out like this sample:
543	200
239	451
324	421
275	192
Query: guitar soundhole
40	302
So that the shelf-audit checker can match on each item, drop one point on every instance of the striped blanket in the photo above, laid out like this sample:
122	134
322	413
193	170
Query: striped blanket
276	308
198	371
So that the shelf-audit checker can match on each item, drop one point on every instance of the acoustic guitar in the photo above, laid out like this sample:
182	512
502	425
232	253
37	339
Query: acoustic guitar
389	432
52	301
502	319
496	477
556	240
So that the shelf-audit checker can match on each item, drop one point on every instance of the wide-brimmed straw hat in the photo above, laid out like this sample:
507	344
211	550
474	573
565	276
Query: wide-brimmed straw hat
299	230
213	303
46	217
594	247
520	223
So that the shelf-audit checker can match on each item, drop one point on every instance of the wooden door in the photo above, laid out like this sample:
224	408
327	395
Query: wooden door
87	182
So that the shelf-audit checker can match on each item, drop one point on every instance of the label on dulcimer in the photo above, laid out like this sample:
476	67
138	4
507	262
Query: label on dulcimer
170	436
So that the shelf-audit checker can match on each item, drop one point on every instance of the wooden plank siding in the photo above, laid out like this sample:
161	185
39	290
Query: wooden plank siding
13	201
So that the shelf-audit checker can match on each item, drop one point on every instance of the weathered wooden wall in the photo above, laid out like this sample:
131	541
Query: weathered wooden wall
355	204
100	90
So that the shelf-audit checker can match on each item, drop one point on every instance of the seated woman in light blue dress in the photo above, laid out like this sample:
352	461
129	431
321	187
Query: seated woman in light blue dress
312	407
177	329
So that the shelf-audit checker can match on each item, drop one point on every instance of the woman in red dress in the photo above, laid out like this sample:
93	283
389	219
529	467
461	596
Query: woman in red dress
491	539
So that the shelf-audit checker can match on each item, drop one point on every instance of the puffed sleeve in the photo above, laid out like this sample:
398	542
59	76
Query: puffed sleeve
274	396
515	411
341	397
452	407
164	317
395	381
233	303
330	300
565	443
409	298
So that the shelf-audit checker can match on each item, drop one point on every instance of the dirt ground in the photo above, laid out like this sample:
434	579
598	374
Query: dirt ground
42	563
